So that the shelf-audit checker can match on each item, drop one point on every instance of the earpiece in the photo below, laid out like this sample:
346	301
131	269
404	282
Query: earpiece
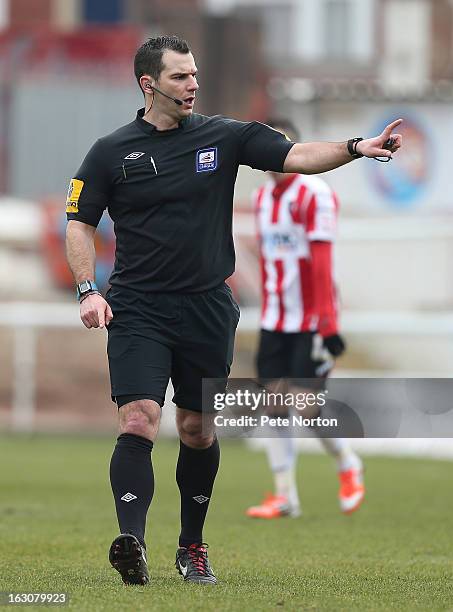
162	93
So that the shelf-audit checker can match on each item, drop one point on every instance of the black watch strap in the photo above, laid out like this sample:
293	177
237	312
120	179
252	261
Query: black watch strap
86	287
352	147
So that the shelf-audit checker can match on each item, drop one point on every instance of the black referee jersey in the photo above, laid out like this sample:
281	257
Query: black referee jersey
170	195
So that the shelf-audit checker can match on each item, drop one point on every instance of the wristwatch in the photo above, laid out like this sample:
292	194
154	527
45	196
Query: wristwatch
352	147
86	287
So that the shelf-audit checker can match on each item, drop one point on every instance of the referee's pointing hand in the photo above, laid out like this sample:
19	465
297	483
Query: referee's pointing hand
374	147
95	311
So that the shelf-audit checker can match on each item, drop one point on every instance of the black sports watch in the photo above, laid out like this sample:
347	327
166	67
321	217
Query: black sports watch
86	287
352	147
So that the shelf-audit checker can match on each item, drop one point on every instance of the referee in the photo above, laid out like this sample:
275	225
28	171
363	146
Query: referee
167	180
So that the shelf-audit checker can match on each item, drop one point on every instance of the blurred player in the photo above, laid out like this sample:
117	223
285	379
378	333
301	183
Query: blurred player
296	221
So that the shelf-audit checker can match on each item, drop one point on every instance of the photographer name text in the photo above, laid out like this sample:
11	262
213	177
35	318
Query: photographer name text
264	420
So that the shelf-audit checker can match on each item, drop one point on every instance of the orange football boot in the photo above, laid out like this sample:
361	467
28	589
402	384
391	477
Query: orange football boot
352	490
274	506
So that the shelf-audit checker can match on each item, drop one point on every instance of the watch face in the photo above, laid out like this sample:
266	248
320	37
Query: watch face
85	286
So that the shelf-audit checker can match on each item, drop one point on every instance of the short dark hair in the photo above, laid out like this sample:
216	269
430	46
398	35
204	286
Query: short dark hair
148	59
285	125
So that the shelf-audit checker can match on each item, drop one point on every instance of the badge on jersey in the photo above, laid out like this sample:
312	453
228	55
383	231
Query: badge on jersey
72	199
206	160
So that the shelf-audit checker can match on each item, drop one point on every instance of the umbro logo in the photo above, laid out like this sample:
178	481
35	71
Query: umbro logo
200	499
128	497
134	155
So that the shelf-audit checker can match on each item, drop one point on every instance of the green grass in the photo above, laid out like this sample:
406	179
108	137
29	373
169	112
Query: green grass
396	553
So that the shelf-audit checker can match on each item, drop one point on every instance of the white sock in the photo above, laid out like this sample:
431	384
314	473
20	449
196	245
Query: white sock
281	454
345	457
285	485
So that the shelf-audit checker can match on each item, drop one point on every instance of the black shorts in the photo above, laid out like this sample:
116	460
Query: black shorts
154	337
290	356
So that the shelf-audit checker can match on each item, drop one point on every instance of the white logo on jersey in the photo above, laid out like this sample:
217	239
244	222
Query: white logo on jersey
134	155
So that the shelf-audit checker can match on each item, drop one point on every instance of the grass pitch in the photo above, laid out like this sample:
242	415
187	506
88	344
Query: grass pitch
396	553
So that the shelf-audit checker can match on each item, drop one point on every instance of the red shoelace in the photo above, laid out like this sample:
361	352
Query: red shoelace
199	558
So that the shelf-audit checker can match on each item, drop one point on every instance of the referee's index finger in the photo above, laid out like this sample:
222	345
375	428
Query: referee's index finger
389	129
101	318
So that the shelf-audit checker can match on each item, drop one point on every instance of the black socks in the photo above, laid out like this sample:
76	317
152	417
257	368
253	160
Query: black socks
132	480
195	474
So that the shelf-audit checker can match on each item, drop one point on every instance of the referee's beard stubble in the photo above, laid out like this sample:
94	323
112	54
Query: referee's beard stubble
154	89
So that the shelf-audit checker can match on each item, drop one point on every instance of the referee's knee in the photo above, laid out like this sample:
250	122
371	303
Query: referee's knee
140	417
194	428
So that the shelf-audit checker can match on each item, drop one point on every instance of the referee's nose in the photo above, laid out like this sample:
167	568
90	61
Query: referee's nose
193	84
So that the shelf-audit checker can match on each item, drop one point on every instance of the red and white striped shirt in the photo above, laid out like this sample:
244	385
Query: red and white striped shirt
291	216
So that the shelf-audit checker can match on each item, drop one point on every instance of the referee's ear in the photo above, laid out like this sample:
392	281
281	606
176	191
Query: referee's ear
146	83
